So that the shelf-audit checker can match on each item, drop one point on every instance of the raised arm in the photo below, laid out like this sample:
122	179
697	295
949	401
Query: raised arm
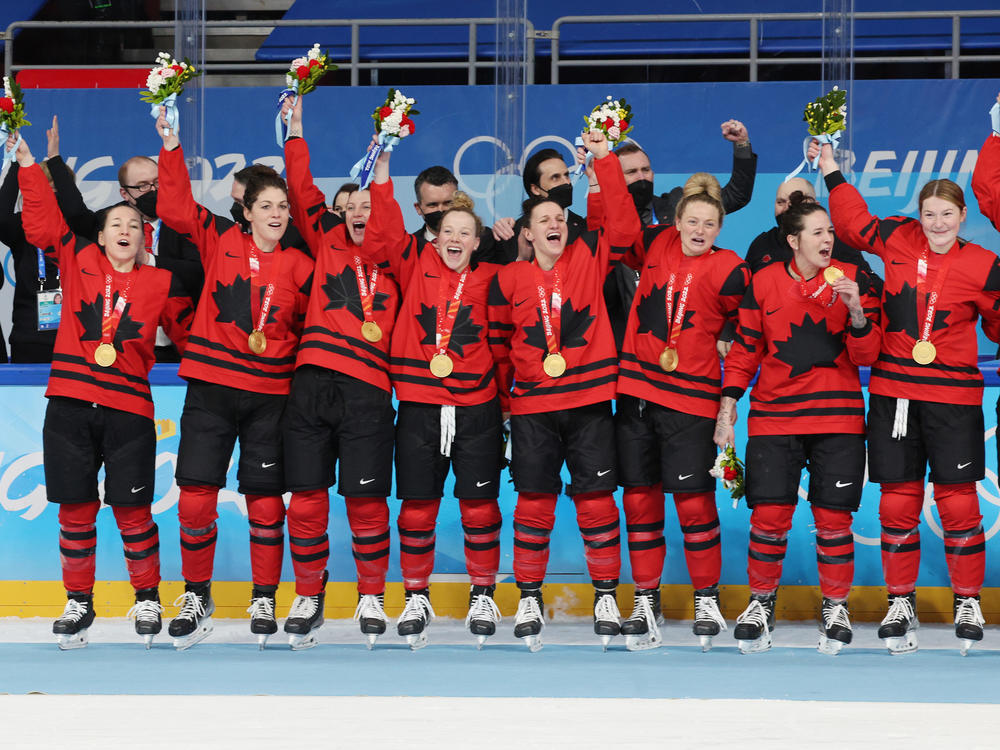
621	226
44	225
986	177
11	231
386	239
739	190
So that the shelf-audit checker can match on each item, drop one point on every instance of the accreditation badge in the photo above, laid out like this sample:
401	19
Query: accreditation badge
49	306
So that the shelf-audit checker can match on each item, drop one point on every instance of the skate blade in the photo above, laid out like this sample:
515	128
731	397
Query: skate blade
481	641
303	642
185	642
966	645
370	639
416	641
71	642
706	643
262	640
643	642
758	646
148	641
829	646
906	644
533	642
606	641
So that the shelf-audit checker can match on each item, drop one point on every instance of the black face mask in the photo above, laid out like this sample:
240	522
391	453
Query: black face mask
433	220
237	213
562	195
146	203
642	193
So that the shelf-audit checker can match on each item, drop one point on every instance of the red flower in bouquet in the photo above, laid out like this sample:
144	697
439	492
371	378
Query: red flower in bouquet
6	104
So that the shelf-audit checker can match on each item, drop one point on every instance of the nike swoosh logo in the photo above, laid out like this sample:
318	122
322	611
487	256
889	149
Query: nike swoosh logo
898	263
483	484
366	481
844	484
772	312
138	489
650	267
431	276
682	477
602	473
964	466
268	466
518	304
89	273
230	255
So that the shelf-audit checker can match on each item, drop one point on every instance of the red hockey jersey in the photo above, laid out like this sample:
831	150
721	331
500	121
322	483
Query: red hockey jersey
986	179
718	280
517	333
427	284
807	351
219	350
154	298
971	289
332	337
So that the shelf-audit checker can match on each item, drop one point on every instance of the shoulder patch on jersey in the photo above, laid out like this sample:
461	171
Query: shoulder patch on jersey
736	282
496	295
993	279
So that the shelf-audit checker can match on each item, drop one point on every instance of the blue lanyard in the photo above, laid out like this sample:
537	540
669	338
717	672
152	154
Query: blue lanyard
41	266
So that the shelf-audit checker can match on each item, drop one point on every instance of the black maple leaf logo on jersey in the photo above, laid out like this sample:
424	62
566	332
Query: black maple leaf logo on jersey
464	332
901	312
809	345
573	327
91	315
652	313
342	292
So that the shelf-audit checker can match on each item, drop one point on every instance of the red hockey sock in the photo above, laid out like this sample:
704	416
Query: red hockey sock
197	511
699	519
769	527
534	517
644	526
834	552
78	545
481	522
141	542
308	543
964	540
267	538
899	514
369	521
597	517
416	522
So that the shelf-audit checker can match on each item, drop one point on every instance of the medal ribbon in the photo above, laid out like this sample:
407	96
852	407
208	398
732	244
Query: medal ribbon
677	320
265	304
366	289
111	318
447	311
550	319
932	298
817	294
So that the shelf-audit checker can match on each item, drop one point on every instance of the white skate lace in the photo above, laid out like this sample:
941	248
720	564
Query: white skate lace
418	607
147	610
483	608
74	611
754	614
606	609
899	611
528	611
304	607
261	608
642	609
836	614
968	612
369	608
706	608
191	606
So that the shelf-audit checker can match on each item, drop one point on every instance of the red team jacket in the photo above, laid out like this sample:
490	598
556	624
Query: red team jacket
218	350
719	281
986	179
332	336
420	271
972	289
807	351
154	299
517	335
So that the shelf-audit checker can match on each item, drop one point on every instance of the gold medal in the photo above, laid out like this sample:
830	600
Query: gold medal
105	355
371	331
554	365
441	365
924	352
258	342
832	274
668	359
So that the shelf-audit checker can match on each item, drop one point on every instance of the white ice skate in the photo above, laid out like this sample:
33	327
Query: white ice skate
898	628
968	622
304	619
72	626
370	613
754	625
146	614
708	620
483	618
414	619
193	623
262	622
642	628
528	622
835	630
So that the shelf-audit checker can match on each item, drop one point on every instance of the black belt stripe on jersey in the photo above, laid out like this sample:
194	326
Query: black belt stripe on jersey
346	354
673	388
94	367
819	411
90	380
350	340
921	380
236	354
655	369
820	395
521	389
965	369
225	365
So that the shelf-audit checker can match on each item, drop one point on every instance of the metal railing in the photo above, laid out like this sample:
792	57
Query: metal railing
355	64
753	20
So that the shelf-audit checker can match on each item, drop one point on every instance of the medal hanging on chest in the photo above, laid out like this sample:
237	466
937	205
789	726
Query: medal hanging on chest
554	363
105	354
924	352
669	358
819	294
257	340
370	330
441	364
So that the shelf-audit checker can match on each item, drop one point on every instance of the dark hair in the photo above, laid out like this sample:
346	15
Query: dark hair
944	189
123	169
530	174
436	176
259	181
101	217
347	187
701	187
532	202
254	170
630	147
800	206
